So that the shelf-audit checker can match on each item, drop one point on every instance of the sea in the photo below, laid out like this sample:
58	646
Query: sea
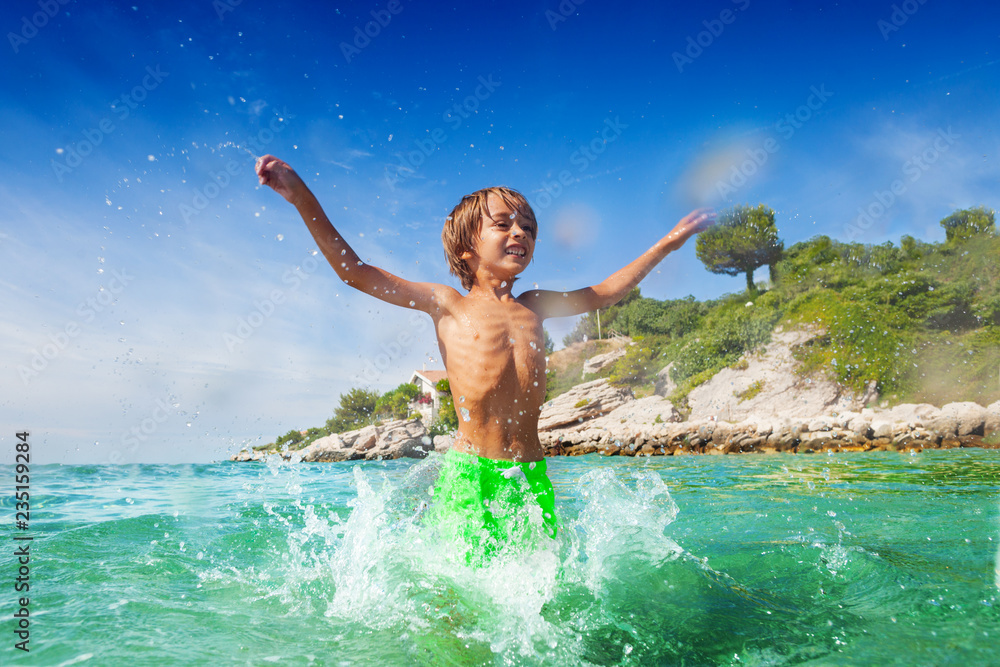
876	558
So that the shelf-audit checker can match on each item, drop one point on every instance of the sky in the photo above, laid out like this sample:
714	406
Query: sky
160	306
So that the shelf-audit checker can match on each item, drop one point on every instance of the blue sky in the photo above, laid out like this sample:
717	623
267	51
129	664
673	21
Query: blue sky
160	307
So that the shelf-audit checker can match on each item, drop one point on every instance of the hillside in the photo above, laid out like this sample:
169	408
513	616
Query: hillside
921	321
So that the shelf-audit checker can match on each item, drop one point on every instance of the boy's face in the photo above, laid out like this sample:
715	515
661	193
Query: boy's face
506	238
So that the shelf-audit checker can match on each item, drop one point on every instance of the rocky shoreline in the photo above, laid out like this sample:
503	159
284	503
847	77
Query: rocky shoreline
760	405
598	418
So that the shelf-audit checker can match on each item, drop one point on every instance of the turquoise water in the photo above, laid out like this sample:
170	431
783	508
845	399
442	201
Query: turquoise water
876	558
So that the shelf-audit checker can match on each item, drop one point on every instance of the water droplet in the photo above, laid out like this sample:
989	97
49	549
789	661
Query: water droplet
503	284
512	216
465	414
532	344
512	341
412	304
461	399
343	252
280	237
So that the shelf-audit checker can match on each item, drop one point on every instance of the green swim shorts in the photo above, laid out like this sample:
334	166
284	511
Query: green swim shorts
491	506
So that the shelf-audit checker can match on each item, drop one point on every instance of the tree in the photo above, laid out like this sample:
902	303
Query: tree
447	416
744	239
550	345
968	222
395	404
290	439
356	410
586	326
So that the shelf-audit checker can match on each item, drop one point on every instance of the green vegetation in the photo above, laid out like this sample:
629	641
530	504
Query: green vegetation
968	223
751	391
356	410
582	403
362	407
744	239
395	404
921	320
447	417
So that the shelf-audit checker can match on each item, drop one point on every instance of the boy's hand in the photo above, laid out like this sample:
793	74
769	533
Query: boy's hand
696	221
281	178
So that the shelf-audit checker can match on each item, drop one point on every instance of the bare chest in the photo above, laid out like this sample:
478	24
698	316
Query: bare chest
490	346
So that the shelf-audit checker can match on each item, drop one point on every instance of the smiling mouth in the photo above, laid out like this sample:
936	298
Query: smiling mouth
519	252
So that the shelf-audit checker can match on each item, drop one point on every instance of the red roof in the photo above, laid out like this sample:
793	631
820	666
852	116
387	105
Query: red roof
432	376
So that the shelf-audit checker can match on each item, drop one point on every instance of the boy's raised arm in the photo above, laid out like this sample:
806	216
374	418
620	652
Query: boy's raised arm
614	288
372	280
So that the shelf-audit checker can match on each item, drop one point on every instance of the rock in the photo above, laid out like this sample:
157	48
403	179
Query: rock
328	448
664	385
970	417
582	402
442	443
390	440
881	428
399	439
991	425
918	414
782	391
246	455
821	424
602	361
944	425
860	426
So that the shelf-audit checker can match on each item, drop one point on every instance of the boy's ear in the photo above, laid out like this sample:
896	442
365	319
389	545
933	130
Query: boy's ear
467	255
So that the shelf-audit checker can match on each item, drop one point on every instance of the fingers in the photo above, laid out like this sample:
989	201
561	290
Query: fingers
266	163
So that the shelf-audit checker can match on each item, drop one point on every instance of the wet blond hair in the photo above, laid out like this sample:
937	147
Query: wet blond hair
462	228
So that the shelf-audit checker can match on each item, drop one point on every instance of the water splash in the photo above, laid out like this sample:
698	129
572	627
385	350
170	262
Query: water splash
237	146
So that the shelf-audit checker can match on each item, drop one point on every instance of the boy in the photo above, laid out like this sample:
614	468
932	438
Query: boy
493	489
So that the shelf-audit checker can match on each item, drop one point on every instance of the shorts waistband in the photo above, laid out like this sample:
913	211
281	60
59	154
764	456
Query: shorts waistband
464	458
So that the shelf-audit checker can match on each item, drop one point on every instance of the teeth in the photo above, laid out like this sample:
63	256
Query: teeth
515	251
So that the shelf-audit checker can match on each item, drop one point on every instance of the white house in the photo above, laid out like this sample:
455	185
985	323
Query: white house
426	381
